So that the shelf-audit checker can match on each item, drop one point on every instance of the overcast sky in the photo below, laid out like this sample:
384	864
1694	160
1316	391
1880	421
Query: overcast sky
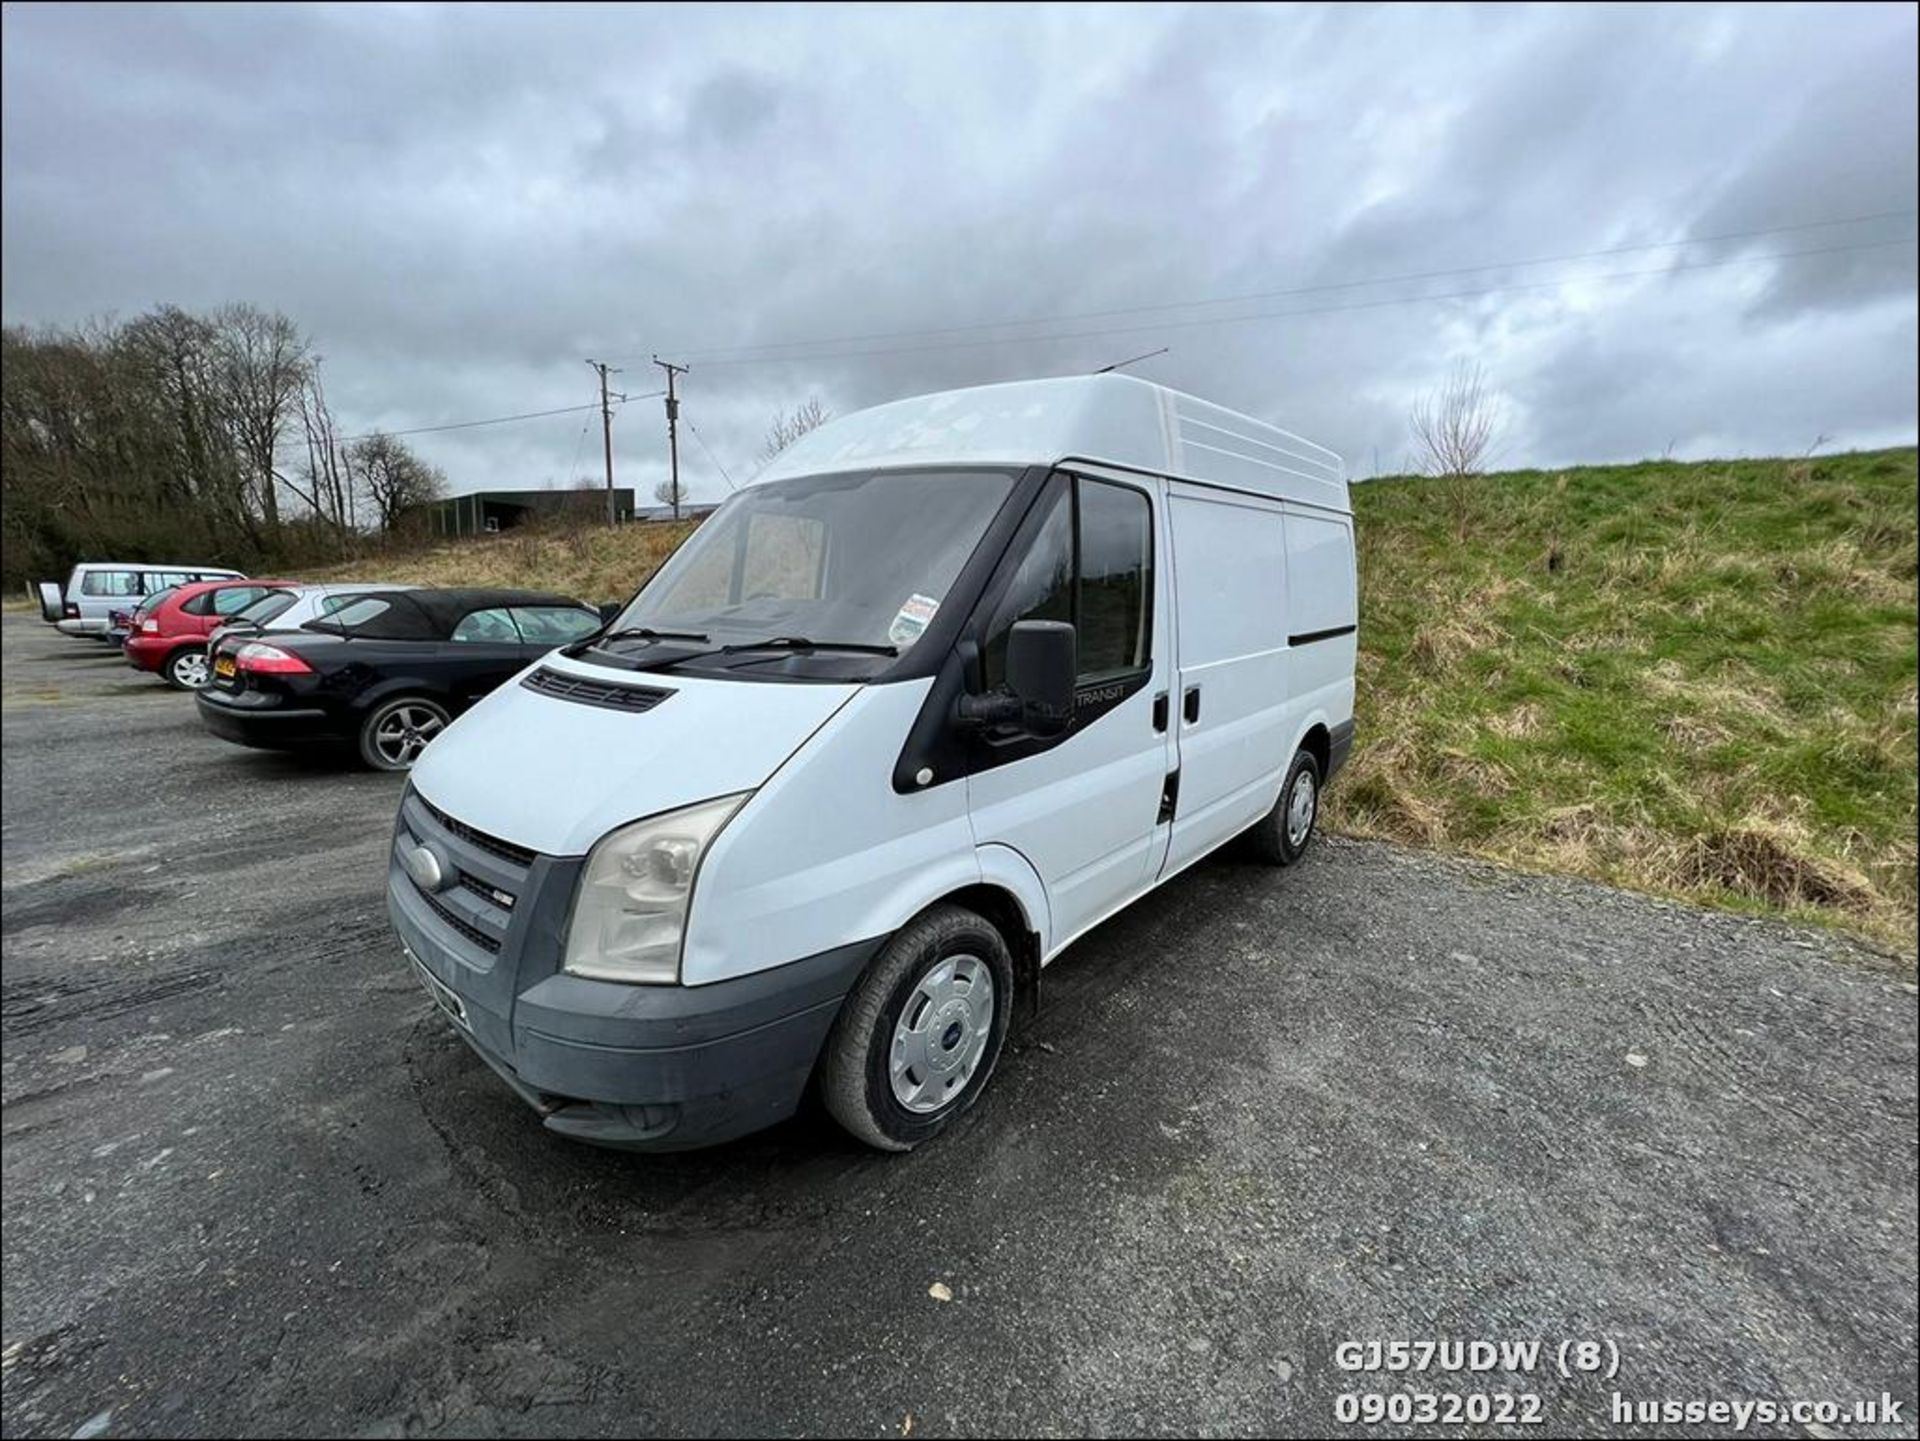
460	205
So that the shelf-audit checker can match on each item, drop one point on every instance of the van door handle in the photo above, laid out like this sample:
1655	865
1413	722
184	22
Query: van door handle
1160	711
1190	704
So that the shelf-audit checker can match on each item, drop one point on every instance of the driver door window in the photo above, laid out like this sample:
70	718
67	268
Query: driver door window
1091	563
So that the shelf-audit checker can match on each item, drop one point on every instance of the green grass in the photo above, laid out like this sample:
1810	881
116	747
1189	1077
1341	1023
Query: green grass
1694	679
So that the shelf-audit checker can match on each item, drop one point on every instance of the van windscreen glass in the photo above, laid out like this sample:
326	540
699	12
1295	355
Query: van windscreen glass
864	559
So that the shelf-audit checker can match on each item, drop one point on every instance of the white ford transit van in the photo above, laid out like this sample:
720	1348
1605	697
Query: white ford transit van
950	683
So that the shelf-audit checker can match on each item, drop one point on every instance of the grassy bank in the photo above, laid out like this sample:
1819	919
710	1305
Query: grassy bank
592	563
1692	679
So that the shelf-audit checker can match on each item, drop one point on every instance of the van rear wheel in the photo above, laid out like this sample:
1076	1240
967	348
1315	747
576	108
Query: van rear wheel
1280	838
918	1037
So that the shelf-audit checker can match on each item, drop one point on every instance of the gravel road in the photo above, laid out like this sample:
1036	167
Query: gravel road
253	1184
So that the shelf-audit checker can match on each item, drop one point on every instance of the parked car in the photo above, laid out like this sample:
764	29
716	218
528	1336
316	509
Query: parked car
98	587
122	623
291	607
386	672
171	638
951	682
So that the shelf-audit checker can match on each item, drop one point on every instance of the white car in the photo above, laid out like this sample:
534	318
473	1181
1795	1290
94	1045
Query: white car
290	607
951	682
98	588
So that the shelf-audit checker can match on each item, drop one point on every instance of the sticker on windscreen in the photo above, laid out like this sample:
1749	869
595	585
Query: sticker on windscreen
912	619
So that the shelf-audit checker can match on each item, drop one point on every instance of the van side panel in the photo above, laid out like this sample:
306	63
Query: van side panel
1323	611
826	852
1232	608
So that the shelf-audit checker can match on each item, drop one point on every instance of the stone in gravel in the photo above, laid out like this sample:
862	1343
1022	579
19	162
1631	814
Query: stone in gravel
72	1056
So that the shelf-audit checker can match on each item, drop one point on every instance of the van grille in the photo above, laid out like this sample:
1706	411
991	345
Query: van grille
506	850
594	692
487	891
472	932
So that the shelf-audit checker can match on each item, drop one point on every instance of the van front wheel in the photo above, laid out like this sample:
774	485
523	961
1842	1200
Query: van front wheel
1280	838
919	1035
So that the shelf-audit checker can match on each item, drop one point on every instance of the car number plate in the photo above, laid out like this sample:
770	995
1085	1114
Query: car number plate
223	665
443	996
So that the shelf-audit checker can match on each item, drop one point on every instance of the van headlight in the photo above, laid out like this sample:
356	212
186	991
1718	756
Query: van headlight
631	913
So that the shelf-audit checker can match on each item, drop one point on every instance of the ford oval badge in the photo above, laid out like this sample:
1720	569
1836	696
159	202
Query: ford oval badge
424	866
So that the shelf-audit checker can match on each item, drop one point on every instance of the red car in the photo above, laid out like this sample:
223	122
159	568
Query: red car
172	637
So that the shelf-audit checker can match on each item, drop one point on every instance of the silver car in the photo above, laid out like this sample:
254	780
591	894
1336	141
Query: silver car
289	607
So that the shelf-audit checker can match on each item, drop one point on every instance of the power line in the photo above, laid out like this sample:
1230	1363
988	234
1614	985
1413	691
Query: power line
734	354
579	441
470	424
710	455
1189	324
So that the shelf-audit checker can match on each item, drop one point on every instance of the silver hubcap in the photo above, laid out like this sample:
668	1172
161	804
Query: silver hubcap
404	731
1300	809
942	1033
191	670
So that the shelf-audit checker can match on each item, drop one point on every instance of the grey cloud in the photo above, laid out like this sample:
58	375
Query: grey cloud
463	203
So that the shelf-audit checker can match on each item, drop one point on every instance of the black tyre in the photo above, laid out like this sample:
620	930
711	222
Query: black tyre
397	730
1282	835
916	1041
188	668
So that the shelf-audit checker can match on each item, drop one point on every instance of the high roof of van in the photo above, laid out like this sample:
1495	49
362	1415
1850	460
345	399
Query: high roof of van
1117	419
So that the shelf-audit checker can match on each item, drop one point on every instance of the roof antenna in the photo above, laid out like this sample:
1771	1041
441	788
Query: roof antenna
1135	361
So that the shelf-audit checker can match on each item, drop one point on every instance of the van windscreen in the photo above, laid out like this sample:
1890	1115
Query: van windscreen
864	559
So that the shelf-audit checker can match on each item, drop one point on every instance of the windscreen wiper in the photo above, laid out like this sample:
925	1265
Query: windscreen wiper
797	643
802	643
647	632
634	632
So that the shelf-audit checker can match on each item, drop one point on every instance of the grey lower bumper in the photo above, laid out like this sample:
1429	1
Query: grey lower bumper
648	1067
1339	747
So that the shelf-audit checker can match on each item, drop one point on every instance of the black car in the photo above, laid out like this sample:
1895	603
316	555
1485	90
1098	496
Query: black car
384	673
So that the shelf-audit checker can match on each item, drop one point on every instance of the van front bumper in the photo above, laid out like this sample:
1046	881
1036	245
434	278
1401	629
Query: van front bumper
659	1068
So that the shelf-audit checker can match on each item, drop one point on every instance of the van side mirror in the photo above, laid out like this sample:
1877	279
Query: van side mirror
1042	658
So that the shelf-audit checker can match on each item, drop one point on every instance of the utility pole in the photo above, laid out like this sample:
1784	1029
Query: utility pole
606	434
673	429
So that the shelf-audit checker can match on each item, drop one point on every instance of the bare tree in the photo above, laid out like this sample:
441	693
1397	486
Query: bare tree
668	492
325	482
394	479
264	365
789	426
1455	427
